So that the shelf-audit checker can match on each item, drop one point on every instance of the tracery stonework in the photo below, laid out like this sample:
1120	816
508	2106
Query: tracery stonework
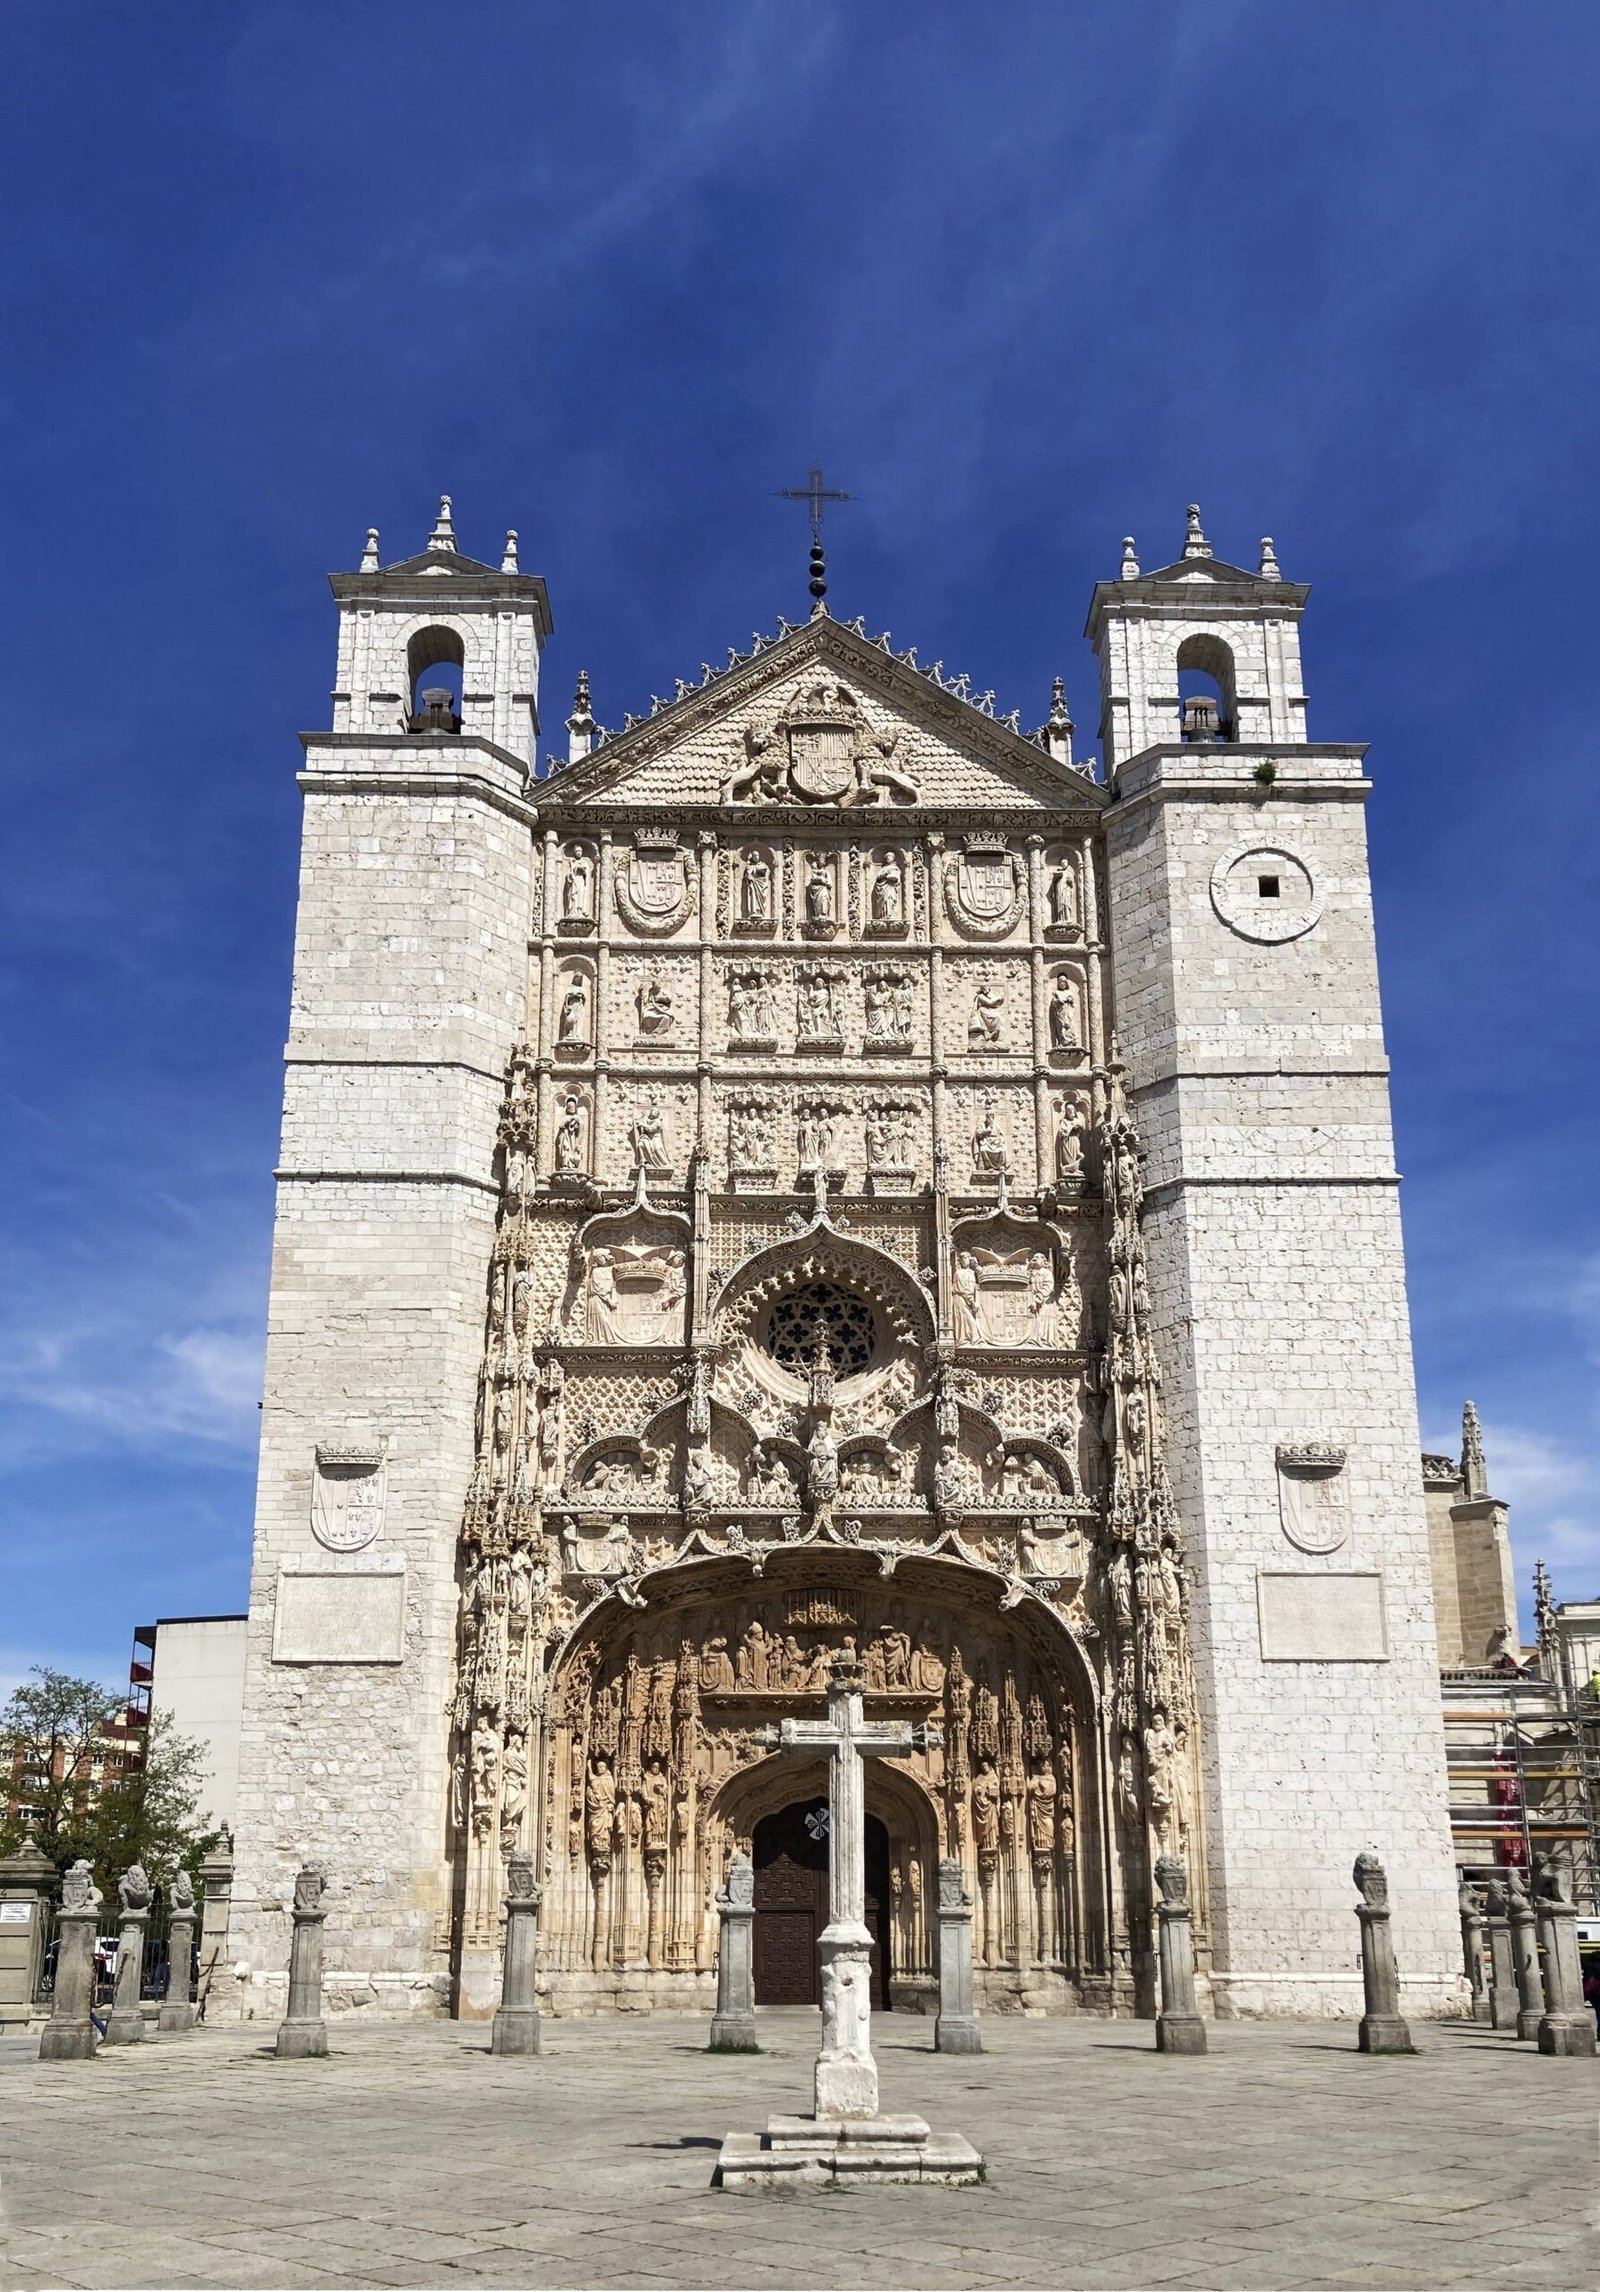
843	1347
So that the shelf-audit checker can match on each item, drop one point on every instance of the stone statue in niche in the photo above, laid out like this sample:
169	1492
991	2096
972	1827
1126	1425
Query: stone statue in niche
887	996
986	1026
1064	1015
750	1137
752	1019
569	1138
647	1137
577	889
886	899
572	1026
1061	897
755	888
816	1011
1069	1148
656	1014
1044	1315
990	1159
814	1139
891	1149
820	904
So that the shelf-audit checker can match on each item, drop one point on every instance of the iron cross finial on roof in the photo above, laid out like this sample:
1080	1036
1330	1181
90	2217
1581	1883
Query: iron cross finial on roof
814	493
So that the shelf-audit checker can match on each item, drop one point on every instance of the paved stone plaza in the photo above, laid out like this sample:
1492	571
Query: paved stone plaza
413	2157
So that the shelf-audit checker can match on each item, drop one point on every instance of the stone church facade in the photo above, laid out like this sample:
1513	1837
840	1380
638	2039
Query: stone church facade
820	1173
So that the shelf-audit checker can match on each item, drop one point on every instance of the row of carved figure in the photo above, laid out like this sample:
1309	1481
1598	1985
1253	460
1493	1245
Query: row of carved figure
892	1142
820	1016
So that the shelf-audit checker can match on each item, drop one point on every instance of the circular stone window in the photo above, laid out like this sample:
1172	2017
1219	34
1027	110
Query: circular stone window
1264	892
821	1312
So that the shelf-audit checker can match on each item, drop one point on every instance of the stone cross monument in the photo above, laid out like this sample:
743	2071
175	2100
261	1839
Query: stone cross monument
847	2075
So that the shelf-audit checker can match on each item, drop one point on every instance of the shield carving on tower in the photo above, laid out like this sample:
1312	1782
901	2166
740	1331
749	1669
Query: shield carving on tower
985	881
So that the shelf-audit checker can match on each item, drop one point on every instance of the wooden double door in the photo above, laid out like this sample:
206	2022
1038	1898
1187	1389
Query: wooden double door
790	1853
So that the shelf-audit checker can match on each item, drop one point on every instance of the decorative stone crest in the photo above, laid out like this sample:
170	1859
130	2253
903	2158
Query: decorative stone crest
984	887
819	750
1313	1495
347	1496
654	888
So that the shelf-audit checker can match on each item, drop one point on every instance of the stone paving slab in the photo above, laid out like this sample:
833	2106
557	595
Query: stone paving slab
1281	2160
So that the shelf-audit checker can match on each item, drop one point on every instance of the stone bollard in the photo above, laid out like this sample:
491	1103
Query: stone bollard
1179	2028
733	2025
125	2024
69	2033
1382	2028
303	2034
1524	1956
216	1878
176	2010
1470	1901
1567	2025
956	2030
516	2025
1502	1980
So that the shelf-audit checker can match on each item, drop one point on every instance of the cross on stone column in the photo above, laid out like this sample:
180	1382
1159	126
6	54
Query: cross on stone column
847	2075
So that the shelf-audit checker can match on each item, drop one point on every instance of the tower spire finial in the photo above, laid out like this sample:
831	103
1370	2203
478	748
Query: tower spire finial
508	563
369	555
1474	1471
1130	562
1195	543
1269	568
443	536
580	724
1058	727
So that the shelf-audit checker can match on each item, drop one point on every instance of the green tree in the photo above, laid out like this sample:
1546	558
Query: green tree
52	1731
150	1812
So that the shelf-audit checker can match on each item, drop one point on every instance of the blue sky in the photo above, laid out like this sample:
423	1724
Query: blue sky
1025	278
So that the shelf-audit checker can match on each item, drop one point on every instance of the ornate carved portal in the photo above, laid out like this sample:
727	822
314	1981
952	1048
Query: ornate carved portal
658	1770
818	1320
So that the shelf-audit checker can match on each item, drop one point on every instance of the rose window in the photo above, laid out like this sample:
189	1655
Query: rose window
819	1311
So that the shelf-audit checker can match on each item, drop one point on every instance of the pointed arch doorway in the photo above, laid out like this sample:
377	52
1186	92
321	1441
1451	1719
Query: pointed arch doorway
790	1852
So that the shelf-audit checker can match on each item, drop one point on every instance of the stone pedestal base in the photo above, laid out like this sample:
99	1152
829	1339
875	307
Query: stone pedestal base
845	2152
1180	2033
1383	2033
124	2027
957	2034
176	2014
516	2030
734	2033
302	2041
1567	2033
60	2041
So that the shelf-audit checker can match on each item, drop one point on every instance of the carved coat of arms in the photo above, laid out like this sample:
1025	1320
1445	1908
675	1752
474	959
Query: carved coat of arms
655	884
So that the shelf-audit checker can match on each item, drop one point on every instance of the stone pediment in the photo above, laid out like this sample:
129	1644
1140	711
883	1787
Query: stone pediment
822	721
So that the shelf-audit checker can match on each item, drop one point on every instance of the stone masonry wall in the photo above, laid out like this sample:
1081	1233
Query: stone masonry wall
409	992
1260	1084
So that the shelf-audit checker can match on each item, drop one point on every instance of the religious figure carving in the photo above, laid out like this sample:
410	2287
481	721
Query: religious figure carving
971	1323
886	901
602	1322
647	1137
986	1814
513	1791
985	1028
1041	1812
751	1017
887	995
814	1139
891	1148
819	894
572	1026
569	1137
755	888
990	1159
600	1812
1061	896
577	891
656	1807
817	1017
1044	1316
750	1136
1069	1148
656	1014
1063	1014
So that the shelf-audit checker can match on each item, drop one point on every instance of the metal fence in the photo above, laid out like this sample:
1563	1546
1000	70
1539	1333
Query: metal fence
154	1967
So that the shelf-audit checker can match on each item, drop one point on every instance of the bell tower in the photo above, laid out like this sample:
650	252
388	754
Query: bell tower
1246	999
416	904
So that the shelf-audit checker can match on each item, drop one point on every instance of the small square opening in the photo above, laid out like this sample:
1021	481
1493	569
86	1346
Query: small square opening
1267	886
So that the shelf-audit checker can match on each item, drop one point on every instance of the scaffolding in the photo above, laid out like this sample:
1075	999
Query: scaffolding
1524	1774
